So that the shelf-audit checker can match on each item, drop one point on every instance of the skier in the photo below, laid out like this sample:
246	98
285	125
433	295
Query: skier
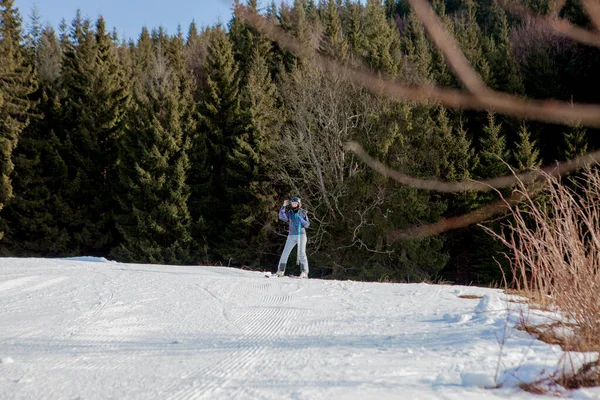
298	221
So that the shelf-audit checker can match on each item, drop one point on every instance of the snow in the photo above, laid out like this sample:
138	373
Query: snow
90	328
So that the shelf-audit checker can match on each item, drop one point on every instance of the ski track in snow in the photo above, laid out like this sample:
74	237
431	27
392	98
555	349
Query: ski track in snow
88	328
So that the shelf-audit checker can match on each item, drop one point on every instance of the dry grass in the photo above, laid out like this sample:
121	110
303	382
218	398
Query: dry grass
555	246
534	300
554	241
547	333
470	296
533	388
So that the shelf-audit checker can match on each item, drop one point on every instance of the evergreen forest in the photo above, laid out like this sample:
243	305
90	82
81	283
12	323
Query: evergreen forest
180	147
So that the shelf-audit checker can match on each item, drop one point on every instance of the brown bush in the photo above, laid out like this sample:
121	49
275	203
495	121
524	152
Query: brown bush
554	242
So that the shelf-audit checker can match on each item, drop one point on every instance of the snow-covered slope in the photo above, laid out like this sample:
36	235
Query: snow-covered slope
75	329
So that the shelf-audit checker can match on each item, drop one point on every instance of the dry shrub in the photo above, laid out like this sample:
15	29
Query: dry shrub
554	240
534	388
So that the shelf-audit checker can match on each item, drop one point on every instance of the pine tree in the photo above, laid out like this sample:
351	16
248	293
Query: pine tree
34	36
260	98
160	37
17	83
379	39
415	46
153	220
334	42
353	25
283	61
95	103
575	142
477	261
526	155
463	161
469	36
31	217
507	77
193	35
245	39
457	159
64	37
220	126
470	263
142	55
493	156
312	12
390	9
403	137
285	17
440	72
301	23
177	60
271	12
542	7
463	154
251	189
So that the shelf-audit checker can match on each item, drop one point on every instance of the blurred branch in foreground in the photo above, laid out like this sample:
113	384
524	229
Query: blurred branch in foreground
480	98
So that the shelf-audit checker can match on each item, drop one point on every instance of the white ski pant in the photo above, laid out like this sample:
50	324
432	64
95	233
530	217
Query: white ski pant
293	240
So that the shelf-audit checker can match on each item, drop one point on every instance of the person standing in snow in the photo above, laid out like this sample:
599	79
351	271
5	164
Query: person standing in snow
297	218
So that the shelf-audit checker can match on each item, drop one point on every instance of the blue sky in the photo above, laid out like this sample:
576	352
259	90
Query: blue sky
129	16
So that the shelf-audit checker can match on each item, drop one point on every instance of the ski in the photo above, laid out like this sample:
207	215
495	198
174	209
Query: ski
285	276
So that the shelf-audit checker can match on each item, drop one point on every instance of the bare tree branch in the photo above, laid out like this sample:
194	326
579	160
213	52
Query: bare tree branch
592	7
475	186
449	47
462	221
561	26
546	110
480	98
574	32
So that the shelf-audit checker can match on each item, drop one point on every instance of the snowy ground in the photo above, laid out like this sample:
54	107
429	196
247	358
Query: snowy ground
91	329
